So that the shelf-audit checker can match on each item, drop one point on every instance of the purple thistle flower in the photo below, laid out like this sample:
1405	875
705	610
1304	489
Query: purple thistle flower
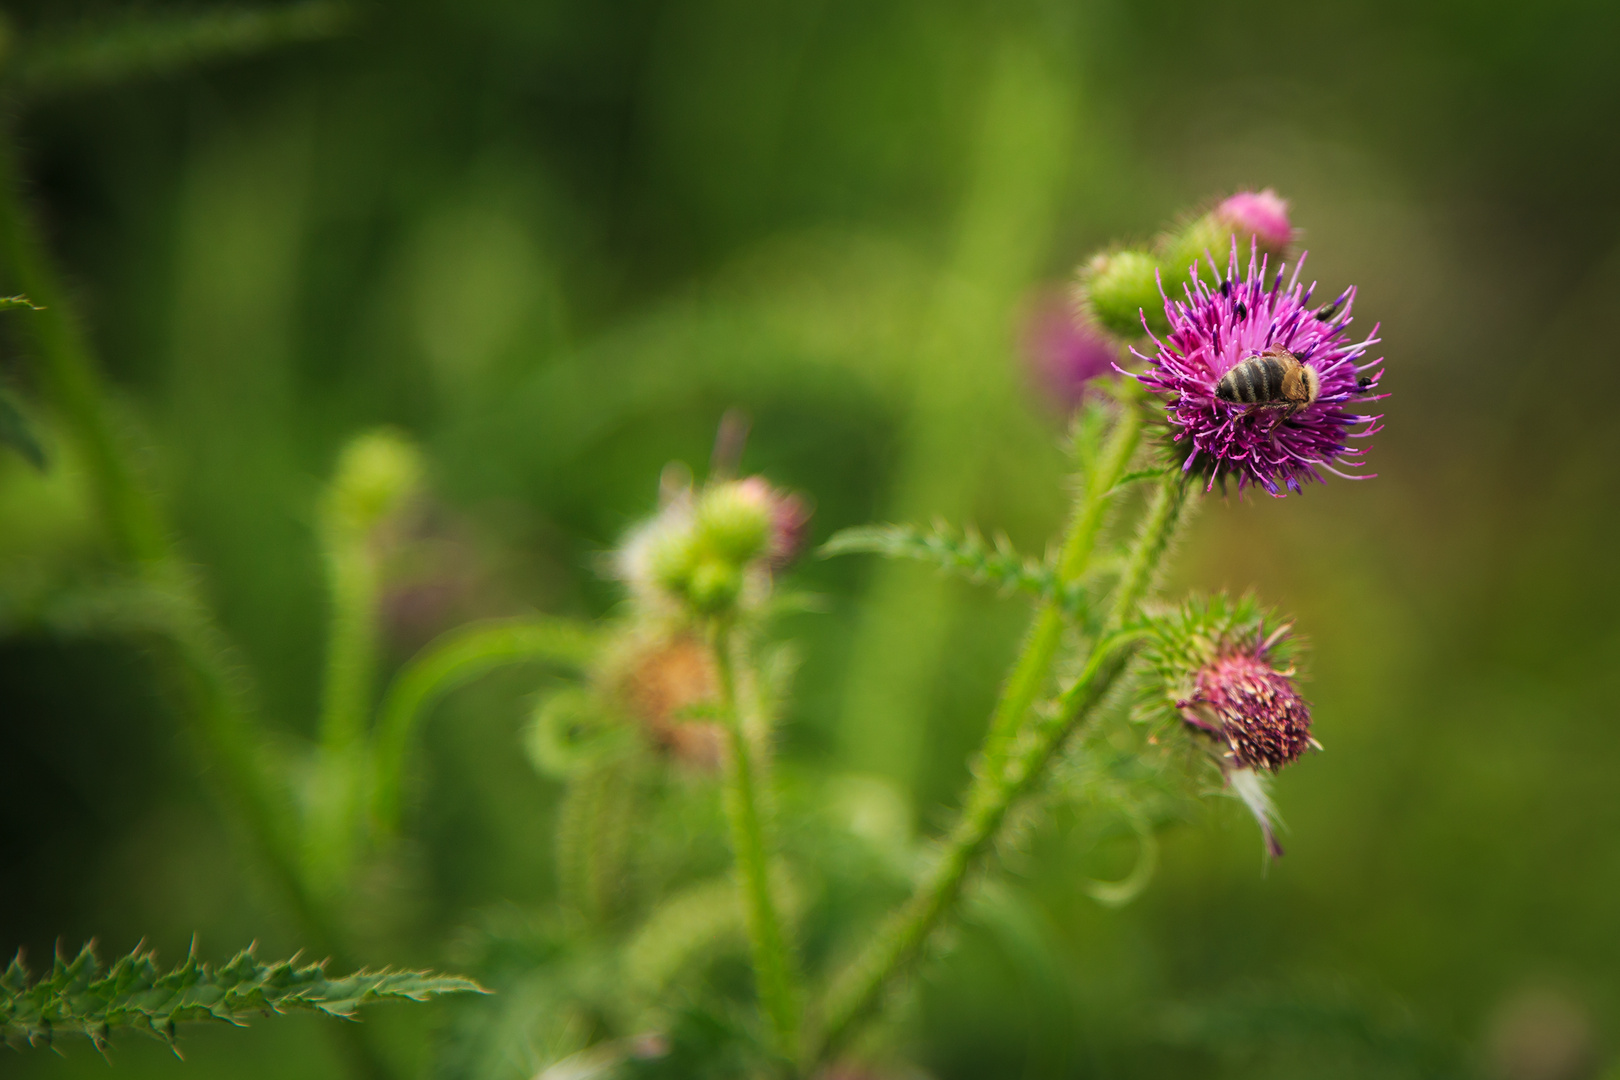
1273	444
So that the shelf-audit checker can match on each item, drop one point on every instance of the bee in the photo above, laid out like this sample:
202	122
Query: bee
1275	379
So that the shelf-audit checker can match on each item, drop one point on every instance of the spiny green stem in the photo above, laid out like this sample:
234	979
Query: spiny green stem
775	972
69	377
902	937
998	784
1034	664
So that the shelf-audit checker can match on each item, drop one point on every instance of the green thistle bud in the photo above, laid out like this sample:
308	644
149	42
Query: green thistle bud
714	585
377	474
734	520
1116	287
1206	236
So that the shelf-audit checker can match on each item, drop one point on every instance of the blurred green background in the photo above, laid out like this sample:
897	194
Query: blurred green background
555	241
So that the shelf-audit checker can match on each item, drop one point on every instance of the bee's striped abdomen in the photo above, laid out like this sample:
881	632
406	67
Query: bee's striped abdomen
1257	380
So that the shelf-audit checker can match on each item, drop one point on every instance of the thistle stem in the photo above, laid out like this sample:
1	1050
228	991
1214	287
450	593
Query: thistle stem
351	647
775	975
998	785
1034	665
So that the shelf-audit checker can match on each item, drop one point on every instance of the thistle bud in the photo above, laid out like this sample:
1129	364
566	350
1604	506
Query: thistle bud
734	520
377	473
1257	218
1262	215
1116	287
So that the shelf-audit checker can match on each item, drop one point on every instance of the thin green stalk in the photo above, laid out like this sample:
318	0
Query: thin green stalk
194	659
775	973
996	789
351	648
1034	666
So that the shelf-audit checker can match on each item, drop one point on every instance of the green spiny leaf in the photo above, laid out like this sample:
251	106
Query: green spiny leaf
966	554
81	997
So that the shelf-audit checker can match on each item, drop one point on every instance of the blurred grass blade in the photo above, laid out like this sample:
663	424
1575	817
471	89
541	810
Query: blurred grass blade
17	433
135	46
455	658
81	997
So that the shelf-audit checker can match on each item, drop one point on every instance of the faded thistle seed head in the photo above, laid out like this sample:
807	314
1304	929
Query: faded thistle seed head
1252	706
664	683
1223	670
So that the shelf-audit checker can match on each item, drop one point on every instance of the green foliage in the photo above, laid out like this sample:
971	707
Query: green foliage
156	44
81	997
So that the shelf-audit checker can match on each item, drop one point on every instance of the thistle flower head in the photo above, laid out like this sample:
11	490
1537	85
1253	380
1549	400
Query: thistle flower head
1266	433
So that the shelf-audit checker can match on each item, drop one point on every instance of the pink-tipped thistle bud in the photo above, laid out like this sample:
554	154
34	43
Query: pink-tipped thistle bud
1262	215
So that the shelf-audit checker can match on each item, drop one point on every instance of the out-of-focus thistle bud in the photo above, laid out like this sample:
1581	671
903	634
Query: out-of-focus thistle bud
377	475
1227	674
1063	349
734	519
710	551
1116	287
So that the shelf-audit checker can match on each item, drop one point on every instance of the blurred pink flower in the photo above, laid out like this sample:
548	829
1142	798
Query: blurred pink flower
1064	352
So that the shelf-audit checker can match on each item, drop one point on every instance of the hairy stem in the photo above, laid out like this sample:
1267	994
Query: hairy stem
1034	665
351	647
775	972
998	785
